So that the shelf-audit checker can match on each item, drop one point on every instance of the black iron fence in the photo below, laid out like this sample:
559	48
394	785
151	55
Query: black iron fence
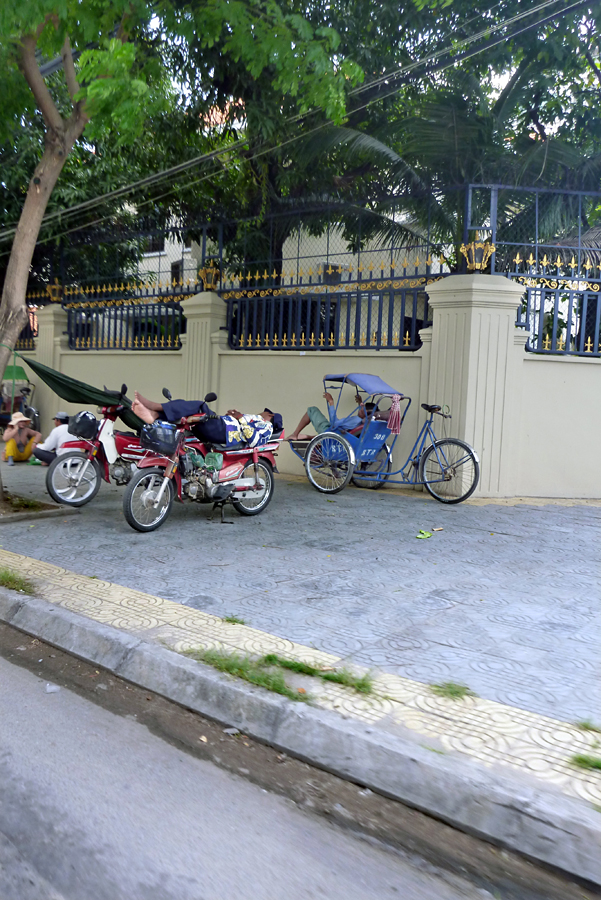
388	319
550	242
26	340
326	277
154	326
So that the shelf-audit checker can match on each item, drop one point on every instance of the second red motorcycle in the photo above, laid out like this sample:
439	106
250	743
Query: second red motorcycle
177	464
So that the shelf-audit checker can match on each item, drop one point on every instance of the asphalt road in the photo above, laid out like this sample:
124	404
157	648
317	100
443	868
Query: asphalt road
93	806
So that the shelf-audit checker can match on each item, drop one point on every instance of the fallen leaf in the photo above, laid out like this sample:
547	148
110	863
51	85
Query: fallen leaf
302	691
423	535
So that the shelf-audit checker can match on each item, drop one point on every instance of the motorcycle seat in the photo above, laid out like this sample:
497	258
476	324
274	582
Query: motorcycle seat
127	434
224	448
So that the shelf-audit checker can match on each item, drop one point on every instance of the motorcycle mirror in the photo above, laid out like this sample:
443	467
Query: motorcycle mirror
123	390
166	394
210	397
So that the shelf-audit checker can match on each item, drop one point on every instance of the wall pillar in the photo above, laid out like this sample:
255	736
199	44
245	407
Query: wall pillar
206	314
52	323
475	367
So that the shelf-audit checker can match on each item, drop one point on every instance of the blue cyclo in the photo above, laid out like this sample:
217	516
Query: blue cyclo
448	468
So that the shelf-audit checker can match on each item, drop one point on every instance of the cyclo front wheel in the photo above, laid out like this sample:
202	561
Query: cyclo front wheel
140	494
73	478
380	465
329	462
450	470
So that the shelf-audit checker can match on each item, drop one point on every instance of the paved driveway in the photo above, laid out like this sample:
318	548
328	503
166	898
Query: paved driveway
506	599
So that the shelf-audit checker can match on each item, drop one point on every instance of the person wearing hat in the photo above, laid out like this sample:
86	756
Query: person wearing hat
59	435
20	439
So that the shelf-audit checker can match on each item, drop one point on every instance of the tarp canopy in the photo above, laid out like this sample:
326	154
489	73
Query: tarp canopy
371	384
74	391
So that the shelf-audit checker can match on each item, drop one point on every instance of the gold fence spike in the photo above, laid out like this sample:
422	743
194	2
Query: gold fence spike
293	341
572	262
258	340
363	339
331	339
375	340
284	341
428	261
352	340
302	339
561	343
517	259
406	340
405	263
589	345
545	261
558	260
384	338
531	260
382	265
547	343
275	340
321	340
416	261
249	342
312	341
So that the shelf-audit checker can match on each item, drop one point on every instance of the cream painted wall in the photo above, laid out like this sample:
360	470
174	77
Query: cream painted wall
288	383
560	427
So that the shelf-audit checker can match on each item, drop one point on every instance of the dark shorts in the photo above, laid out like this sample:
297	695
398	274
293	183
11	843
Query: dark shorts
212	431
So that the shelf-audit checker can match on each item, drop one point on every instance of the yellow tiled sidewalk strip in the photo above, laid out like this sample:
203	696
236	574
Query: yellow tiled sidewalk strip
490	732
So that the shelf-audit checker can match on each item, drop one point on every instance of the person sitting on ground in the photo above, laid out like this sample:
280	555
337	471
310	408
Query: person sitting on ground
20	439
59	435
233	428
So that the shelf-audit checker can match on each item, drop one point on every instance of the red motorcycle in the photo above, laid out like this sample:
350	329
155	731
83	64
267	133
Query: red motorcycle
101	453
181	465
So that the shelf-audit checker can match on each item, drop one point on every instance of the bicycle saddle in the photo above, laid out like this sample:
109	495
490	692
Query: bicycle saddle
431	409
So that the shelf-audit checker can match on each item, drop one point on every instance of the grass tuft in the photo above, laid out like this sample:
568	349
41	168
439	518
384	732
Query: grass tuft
15	582
361	683
24	503
234	620
451	690
248	669
583	761
587	725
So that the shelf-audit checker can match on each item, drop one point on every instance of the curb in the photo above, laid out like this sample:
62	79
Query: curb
507	809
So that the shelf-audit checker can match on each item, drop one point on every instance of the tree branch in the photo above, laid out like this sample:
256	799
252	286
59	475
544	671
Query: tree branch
589	58
33	76
69	68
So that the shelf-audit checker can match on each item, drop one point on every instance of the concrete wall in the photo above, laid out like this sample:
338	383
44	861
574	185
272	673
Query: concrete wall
560	427
533	420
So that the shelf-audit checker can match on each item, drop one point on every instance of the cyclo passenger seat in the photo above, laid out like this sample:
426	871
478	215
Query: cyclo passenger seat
431	409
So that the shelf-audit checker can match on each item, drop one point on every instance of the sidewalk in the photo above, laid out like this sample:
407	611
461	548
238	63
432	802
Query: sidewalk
503	600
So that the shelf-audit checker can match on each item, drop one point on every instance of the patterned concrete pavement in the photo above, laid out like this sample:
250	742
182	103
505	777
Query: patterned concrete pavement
505	599
490	733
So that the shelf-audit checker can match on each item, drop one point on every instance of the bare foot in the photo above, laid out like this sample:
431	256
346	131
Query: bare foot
300	437
143	412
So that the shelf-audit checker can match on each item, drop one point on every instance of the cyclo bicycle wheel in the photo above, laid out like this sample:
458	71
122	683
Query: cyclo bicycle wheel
380	465
329	462
450	470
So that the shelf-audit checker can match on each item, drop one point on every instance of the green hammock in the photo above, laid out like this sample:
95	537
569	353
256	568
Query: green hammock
74	391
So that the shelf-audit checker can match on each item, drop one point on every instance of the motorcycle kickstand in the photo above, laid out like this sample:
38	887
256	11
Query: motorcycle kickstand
220	505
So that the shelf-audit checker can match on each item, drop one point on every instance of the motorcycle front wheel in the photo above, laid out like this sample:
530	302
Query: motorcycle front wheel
138	501
73	479
252	506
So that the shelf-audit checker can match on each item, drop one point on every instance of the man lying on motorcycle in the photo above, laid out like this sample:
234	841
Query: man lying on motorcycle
235	427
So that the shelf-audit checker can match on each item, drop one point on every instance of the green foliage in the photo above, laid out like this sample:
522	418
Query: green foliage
15	582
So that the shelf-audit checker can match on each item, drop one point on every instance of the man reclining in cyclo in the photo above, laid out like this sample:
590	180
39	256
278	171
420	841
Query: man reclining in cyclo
320	423
233	428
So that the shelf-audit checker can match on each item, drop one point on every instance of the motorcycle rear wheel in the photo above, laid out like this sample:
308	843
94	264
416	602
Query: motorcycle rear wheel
252	506
139	495
65	470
